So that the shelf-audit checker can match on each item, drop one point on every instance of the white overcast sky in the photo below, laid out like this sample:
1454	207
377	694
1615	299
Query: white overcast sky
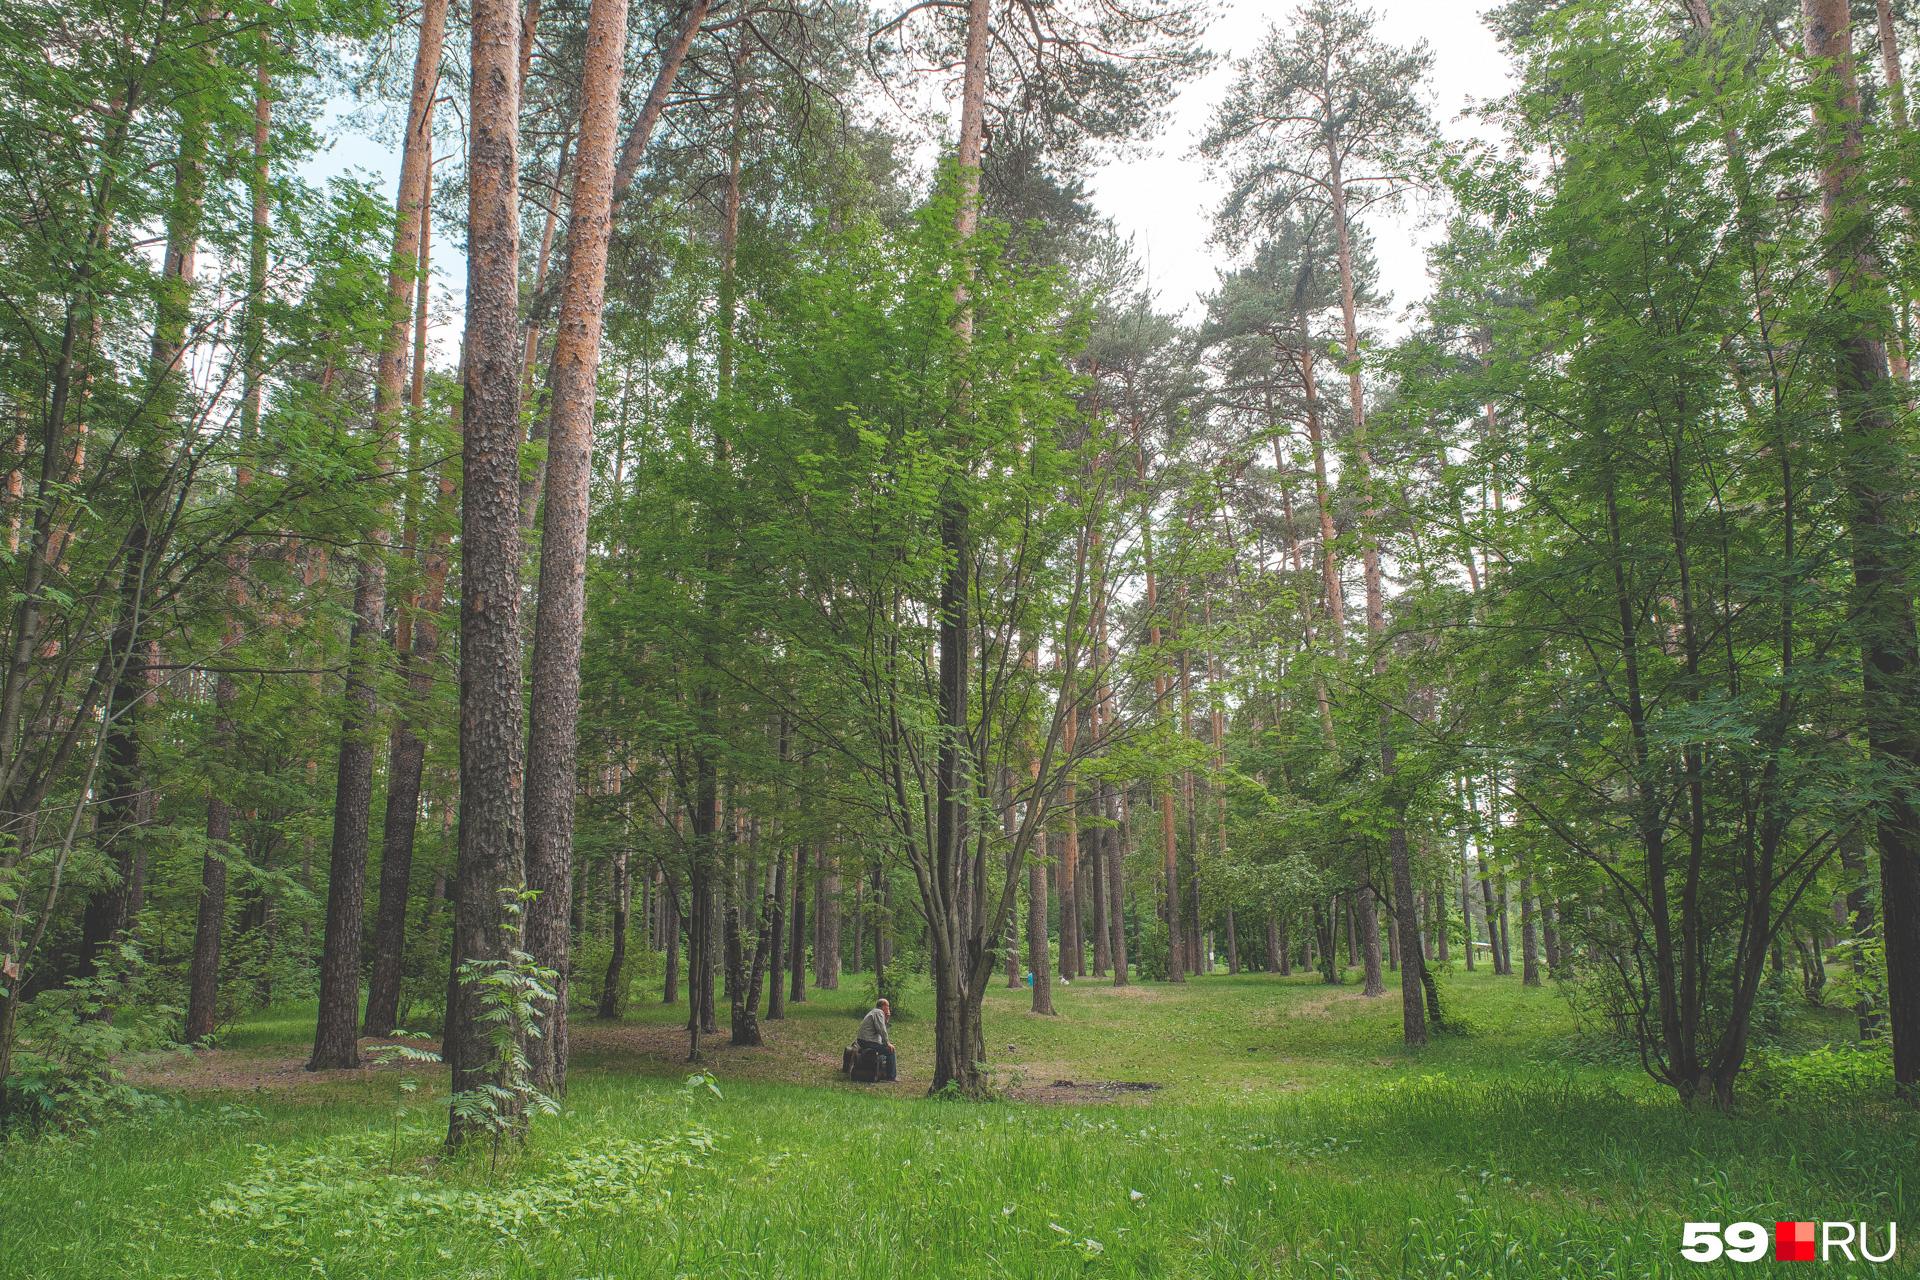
1160	196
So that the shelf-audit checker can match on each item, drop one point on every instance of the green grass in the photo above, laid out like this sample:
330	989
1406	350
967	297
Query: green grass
1292	1137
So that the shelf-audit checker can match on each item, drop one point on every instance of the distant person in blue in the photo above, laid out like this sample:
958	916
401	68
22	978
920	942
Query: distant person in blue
1029	978
873	1035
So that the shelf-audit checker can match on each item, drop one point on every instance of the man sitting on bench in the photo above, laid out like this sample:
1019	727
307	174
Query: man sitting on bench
873	1037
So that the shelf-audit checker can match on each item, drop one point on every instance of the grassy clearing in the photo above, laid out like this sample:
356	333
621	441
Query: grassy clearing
1291	1137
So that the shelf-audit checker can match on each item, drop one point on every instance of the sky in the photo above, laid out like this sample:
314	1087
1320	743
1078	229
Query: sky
1164	199
1160	195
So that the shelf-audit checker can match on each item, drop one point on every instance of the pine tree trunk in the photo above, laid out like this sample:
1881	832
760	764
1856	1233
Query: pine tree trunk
777	934
112	909
670	926
797	989
1096	865
1880	524
335	1037
1069	863
406	752
1117	885
826	954
492	855
203	975
615	981
1502	922
560	619
1038	963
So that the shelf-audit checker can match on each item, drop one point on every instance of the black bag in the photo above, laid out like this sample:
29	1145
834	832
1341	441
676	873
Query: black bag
866	1066
847	1056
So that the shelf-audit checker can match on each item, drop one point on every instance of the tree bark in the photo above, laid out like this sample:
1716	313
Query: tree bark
560	618
826	953
335	1041
203	975
670	926
797	988
777	933
492	853
406	750
615	981
112	909
1169	855
1039	963
1880	523
1069	863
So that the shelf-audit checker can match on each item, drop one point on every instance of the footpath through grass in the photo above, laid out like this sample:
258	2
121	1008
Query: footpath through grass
1290	1137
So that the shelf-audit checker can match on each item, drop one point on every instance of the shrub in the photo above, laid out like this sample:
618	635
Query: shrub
64	1073
1150	951
1824	1075
643	969
890	989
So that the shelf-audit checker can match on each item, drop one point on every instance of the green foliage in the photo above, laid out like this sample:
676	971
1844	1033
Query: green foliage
74	1042
892	988
1828	1075
509	994
1150	953
345	1192
641	970
1483	1157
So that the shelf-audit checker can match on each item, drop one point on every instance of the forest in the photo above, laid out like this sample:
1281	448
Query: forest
1386	770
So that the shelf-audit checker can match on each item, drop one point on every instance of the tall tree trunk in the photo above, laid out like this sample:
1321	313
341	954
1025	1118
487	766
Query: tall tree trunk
1529	934
406	750
1069	864
777	934
615	981
797	989
1899	350
1506	920
670	926
956	1006
1169	853
335	1042
1880	524
1413	1029
1039	963
826	952
560	619
203	975
492	854
1188	808
1466	883
1117	883
112	909
533	479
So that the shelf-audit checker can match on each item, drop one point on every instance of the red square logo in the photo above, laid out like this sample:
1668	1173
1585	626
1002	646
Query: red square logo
1793	1242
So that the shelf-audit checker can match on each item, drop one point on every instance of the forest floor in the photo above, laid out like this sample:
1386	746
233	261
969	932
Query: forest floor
1285	1133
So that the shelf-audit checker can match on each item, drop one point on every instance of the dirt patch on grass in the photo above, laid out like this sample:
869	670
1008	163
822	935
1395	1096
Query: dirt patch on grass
1323	1002
1137	992
630	1048
1085	1091
249	1070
